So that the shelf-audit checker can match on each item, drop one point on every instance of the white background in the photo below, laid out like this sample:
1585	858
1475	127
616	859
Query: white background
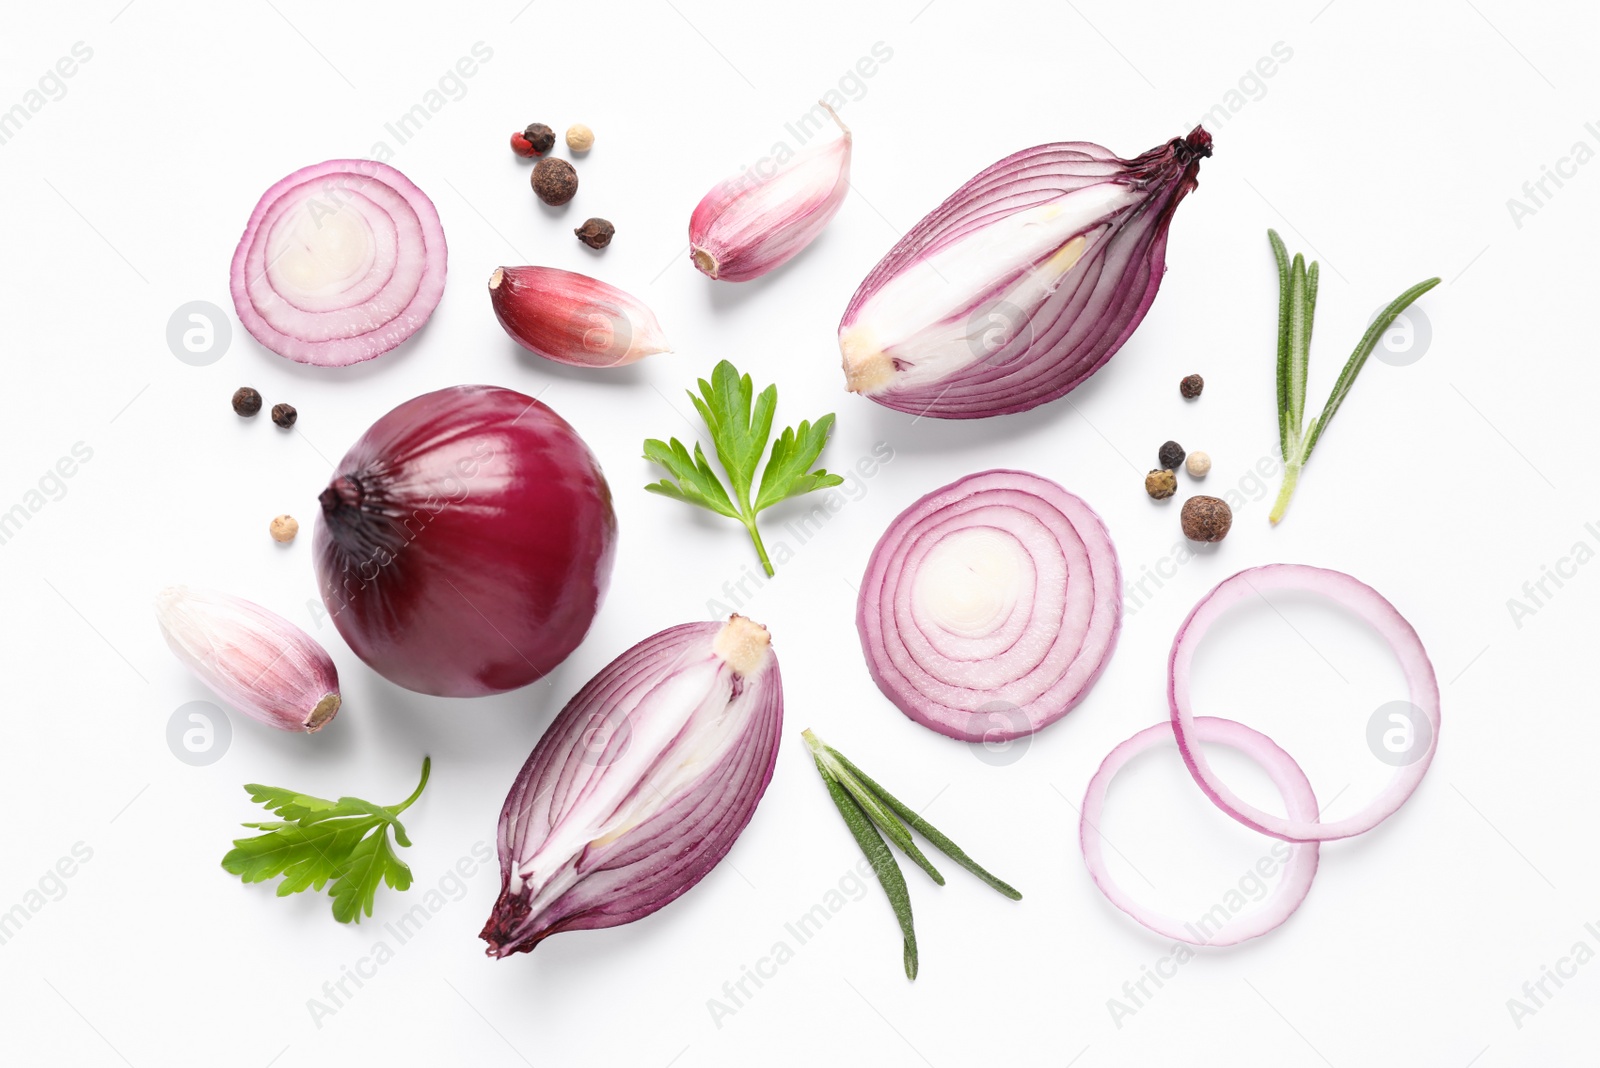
1387	145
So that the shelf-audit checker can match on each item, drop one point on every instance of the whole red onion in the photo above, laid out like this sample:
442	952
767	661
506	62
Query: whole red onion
465	542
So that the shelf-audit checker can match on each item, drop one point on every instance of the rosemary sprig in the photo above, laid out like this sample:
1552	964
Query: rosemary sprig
1297	304
866	807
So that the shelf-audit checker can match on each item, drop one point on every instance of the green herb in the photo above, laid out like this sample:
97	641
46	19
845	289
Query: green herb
1297	303
318	841
863	804
739	435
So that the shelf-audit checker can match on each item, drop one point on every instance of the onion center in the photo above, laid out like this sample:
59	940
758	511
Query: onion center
321	251
971	581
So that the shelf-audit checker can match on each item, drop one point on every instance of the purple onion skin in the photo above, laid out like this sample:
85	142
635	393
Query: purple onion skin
662	857
1010	381
465	542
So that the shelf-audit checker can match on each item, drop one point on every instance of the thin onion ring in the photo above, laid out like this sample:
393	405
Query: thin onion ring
1357	597
1286	775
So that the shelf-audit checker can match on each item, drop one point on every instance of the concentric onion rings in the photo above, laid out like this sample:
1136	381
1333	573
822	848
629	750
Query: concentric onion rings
1353	595
990	606
340	262
1286	775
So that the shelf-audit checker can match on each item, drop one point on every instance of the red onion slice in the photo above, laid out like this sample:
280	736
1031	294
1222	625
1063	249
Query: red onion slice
1286	776
340	262
1349	593
990	606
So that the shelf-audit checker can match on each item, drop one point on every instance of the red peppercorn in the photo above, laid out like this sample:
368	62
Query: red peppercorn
522	146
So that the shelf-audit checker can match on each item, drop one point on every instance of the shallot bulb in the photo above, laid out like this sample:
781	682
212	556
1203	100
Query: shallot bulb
254	659
573	319
758	220
641	784
1022	284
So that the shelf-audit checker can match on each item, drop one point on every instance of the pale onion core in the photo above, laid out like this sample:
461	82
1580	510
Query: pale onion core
971	581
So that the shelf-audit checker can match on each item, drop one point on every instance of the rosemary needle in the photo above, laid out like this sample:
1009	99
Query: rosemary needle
883	862
866	807
1297	305
927	830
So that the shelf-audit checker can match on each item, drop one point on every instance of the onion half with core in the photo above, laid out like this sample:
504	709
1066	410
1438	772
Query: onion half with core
1286	776
340	262
990	606
1372	608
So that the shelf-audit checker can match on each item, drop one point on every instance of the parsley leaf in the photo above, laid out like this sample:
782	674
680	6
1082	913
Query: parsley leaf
317	841
740	422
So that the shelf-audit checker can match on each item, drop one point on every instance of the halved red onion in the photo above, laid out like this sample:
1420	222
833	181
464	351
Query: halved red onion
990	606
641	784
1286	776
340	262
1370	606
1021	284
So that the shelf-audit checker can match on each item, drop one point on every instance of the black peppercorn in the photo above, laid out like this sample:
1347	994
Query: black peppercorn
596	233
1191	386
246	401
1171	455
540	137
284	415
555	181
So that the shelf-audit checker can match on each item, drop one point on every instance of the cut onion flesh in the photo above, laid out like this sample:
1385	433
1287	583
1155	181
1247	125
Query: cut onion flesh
990	606
1297	794
340	262
1367	604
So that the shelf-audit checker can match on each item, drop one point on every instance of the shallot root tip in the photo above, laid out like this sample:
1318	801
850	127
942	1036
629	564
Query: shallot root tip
704	262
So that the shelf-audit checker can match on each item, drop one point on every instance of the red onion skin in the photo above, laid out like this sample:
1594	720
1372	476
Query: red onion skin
1012	378
465	543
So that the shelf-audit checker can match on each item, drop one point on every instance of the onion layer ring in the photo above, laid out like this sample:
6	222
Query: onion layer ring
1286	776
1353	595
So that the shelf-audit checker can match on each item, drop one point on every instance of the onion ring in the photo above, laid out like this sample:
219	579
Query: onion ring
1353	595
1286	775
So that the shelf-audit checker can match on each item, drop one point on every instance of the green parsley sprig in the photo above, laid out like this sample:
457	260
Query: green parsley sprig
739	434
318	841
